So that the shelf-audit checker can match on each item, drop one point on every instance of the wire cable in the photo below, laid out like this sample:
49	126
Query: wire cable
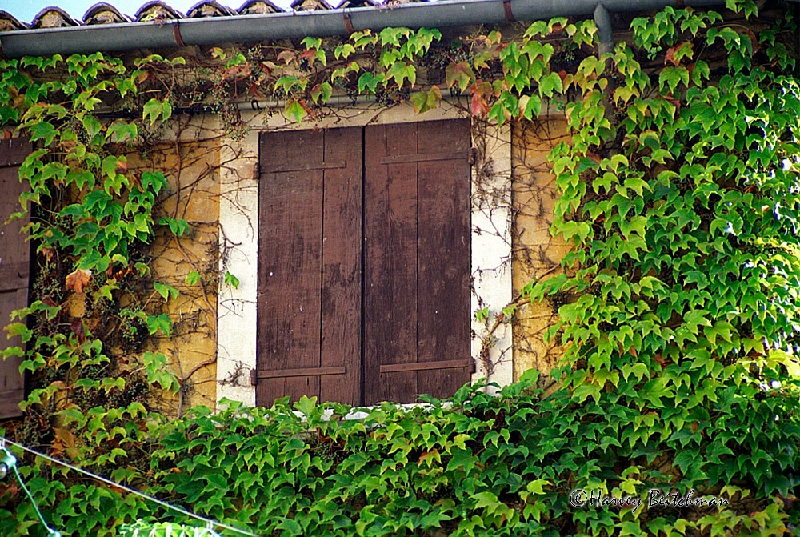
105	480
9	462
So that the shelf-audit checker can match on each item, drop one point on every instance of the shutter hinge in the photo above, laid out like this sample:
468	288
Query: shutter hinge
253	377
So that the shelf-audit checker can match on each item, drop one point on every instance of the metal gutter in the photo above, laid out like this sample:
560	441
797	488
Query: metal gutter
245	28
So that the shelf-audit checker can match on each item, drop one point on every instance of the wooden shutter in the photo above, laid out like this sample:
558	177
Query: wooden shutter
309	281
417	260
14	270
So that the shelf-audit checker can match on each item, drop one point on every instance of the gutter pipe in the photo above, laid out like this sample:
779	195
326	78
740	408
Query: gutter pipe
247	28
605	37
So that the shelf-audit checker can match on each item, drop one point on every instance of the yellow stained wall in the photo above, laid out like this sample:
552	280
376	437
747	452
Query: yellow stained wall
536	253
192	170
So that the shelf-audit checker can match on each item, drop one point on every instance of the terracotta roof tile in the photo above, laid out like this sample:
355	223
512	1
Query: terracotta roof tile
357	3
8	22
259	7
208	8
53	17
103	13
310	5
157	10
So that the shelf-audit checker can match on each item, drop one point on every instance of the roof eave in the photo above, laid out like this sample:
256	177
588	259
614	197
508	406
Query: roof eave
249	28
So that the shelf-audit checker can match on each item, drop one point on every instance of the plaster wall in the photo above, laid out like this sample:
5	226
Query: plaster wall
213	184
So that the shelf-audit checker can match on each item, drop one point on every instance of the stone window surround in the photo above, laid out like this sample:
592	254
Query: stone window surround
238	240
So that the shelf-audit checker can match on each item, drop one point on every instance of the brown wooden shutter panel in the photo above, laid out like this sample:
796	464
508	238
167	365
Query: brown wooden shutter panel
417	260
309	281
14	270
411	301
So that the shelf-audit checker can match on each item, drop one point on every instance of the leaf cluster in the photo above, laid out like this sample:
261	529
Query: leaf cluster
478	464
91	219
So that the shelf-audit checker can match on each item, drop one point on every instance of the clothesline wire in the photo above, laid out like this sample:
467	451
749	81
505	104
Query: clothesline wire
130	490
50	531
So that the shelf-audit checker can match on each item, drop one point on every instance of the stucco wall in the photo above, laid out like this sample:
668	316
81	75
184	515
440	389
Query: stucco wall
491	250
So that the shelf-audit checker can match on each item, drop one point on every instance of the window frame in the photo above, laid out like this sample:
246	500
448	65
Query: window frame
490	265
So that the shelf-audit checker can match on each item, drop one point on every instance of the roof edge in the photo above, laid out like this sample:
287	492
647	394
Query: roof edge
248	28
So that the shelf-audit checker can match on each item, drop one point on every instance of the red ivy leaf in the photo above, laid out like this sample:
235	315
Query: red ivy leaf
237	72
77	280
677	52
308	54
286	56
459	73
671	56
673	100
425	455
479	105
76	327
48	253
479	91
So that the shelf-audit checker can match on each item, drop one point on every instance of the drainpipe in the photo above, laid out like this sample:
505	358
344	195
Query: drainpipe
605	36
249	28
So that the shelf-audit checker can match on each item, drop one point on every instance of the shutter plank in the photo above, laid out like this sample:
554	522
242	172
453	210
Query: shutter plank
302	372
444	257
14	249
14	270
390	263
12	385
424	366
341	275
290	264
14	151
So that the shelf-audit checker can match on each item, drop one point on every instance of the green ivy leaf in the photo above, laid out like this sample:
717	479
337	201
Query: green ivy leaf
321	92
193	278
459	74
153	181
156	110
44	131
306	405
369	82
295	111
165	290
231	280
289	527
159	322
178	226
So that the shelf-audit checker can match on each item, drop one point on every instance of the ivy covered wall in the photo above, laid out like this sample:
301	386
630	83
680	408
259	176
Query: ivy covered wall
674	199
